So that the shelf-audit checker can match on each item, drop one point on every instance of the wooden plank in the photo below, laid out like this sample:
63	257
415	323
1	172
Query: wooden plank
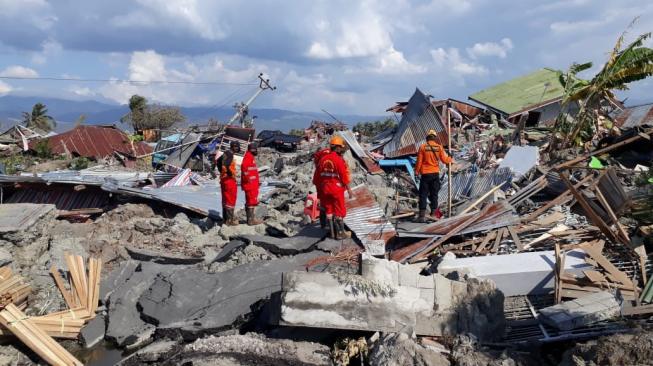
96	292
82	275
91	283
606	265
623	235
485	241
637	310
497	240
564	197
595	276
64	292
515	238
77	281
601	151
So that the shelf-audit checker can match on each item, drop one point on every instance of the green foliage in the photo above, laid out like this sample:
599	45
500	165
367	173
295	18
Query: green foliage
136	138
42	149
372	128
624	65
296	132
39	118
79	163
143	116
16	163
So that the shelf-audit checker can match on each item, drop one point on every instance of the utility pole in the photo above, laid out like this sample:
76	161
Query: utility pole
242	108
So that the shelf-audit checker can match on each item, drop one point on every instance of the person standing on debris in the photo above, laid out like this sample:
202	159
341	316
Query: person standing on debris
249	181
333	180
428	167
316	182
228	185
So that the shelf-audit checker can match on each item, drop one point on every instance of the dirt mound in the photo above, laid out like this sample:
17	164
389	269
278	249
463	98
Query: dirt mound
618	349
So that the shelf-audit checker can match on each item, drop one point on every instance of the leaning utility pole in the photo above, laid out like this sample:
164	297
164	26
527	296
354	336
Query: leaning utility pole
242	108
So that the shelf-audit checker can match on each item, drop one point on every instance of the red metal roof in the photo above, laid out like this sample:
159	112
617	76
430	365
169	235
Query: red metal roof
96	142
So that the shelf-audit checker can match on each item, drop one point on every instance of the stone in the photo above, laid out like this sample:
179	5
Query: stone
93	332
231	247
398	349
304	240
172	303
582	312
161	257
116	278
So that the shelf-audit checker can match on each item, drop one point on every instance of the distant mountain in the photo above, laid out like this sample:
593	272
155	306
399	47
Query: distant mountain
66	113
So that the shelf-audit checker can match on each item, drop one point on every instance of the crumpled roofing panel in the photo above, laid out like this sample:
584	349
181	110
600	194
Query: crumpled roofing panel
420	117
470	184
365	217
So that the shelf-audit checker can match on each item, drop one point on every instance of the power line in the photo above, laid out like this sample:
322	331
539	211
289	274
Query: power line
127	81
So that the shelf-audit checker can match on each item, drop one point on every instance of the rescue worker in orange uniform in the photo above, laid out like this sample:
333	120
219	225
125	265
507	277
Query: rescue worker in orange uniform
428	168
249	181
333	180
228	185
316	160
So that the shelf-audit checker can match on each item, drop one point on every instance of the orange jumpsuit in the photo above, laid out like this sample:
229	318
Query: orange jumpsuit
228	184
249	179
316	179
333	177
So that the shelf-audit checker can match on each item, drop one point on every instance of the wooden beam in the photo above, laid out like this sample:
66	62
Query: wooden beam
607	265
67	296
601	151
515	238
623	235
497	240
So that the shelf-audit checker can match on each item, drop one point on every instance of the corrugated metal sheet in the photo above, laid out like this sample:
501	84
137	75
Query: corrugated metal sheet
370	164
366	219
95	142
63	198
467	185
95	177
204	199
635	116
420	117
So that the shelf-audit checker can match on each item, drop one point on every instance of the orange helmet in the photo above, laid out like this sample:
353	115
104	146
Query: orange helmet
337	141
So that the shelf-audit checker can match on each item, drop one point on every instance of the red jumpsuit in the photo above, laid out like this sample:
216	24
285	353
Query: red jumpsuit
249	179
333	177
316	179
228	184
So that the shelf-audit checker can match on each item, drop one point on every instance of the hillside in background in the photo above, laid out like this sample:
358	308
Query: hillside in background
66	113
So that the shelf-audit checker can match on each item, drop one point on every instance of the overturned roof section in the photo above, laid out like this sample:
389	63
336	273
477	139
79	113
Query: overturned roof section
96	142
524	93
419	117
635	116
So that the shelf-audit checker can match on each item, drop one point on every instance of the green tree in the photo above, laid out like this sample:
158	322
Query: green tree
296	132
624	66
39	118
143	116
372	128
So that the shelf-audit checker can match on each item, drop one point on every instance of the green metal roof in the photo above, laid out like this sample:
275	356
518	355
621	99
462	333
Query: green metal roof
523	92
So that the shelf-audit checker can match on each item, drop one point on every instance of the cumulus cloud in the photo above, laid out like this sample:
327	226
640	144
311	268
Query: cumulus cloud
5	88
498	49
49	48
18	71
451	60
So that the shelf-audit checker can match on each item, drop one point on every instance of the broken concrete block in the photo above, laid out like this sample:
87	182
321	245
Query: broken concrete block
583	311
116	278
228	250
516	274
93	332
305	239
161	257
432	305
172	301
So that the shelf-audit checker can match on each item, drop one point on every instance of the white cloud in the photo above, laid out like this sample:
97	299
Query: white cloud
566	27
18	71
5	88
499	49
49	48
37	13
452	61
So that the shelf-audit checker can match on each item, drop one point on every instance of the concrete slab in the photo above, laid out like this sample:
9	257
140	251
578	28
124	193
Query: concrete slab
582	312
305	239
93	332
517	274
21	216
520	159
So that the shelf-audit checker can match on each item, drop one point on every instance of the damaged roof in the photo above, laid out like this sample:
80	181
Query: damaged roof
524	93
96	142
419	117
635	116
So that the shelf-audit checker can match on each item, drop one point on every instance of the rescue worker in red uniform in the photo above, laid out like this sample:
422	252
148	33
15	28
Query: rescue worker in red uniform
333	180
316	160
228	185
249	181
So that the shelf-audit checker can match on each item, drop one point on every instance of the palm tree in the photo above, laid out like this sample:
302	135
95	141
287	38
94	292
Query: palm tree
39	119
625	65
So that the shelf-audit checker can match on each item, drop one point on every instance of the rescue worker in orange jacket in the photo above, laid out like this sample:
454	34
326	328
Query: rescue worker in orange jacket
333	180
429	157
228	185
249	181
316	160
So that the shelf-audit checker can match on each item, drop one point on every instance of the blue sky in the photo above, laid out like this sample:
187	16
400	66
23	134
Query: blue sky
344	56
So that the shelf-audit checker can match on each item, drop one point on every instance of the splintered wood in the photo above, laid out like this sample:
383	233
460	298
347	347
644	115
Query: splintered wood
81	297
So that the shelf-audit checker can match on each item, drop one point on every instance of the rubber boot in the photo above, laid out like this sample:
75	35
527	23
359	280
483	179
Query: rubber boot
323	218
341	233
230	217
331	226
421	218
251	217
436	214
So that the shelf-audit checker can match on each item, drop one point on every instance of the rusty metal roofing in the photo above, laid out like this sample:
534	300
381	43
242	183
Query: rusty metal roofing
96	142
635	116
370	164
366	219
420	117
472	184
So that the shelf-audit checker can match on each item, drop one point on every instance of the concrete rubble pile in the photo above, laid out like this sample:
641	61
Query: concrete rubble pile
537	249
